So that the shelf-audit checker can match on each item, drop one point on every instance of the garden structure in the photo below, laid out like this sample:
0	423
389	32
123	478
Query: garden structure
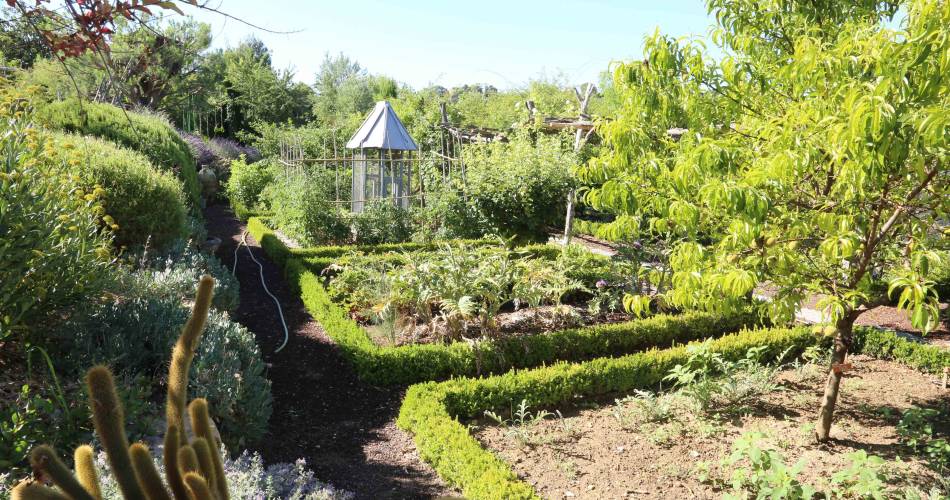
382	159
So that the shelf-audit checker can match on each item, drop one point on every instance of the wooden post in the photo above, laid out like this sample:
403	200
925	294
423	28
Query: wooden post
579	139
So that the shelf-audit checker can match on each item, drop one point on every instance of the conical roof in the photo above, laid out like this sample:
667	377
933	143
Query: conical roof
382	129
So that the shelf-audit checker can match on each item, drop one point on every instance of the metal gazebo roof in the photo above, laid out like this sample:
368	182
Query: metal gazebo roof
382	129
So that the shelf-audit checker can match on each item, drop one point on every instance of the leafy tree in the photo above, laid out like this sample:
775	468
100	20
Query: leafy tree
20	44
816	158
342	88
256	92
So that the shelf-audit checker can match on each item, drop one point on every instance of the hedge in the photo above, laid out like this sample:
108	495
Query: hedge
887	344
430	411
421	362
150	135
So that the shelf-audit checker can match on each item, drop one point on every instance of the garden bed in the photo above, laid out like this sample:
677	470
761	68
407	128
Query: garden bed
422	362
435	413
611	451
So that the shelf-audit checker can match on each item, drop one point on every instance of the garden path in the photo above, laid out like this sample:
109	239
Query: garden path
344	428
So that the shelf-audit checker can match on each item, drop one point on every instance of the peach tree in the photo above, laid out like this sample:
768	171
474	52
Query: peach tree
809	158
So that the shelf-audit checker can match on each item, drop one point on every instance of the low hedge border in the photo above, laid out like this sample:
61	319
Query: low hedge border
887	344
431	411
423	362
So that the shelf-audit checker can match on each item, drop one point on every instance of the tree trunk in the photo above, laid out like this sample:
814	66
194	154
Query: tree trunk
842	343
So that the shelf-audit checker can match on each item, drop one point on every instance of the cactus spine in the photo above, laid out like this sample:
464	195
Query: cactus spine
44	458
35	491
194	471
109	421
201	424
183	353
86	471
173	472
198	486
146	473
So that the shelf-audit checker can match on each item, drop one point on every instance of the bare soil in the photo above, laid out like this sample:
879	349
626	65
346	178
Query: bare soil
512	324
590	454
343	427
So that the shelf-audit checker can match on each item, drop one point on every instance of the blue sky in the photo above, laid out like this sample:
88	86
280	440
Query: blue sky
422	42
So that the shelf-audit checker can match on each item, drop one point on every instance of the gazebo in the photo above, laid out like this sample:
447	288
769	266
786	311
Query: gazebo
382	159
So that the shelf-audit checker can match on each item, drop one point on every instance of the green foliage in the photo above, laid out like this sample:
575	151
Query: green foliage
925	431
303	208
132	466
135	336
52	248
248	181
146	206
150	135
519	188
39	415
413	363
715	382
521	421
801	142
431	411
863	478
382	222
174	274
763	472
889	345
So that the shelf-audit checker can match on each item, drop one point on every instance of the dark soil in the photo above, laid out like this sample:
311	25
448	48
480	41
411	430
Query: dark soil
344	428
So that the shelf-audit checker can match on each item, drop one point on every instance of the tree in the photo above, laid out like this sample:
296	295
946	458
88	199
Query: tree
815	159
342	88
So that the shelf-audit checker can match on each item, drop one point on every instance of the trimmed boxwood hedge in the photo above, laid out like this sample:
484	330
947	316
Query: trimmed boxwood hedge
150	135
421	362
430	411
886	344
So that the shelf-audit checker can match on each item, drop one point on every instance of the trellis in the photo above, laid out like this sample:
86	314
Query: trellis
380	173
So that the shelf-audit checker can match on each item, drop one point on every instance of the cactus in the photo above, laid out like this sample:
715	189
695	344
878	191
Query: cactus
193	470
86	471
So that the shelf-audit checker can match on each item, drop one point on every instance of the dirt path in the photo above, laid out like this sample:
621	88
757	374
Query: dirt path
344	428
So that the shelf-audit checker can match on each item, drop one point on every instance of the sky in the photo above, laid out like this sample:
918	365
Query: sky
450	43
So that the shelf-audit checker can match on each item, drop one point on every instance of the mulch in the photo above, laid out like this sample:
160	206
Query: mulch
344	428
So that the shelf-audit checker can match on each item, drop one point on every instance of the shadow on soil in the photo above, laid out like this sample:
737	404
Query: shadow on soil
322	412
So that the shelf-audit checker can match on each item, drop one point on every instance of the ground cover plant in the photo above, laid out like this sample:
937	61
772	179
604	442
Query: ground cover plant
436	413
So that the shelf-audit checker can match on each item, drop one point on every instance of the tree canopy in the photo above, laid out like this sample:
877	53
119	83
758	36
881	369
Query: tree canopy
815	160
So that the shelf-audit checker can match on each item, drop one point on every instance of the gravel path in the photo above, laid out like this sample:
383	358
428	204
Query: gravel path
344	428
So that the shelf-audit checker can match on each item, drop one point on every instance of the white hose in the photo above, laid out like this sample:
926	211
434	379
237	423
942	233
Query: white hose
280	311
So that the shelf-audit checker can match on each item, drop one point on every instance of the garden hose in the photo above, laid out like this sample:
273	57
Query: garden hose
280	311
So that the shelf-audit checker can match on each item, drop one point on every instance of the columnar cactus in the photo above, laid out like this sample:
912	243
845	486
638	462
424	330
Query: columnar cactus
193	470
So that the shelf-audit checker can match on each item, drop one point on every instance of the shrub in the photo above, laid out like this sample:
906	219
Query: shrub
431	411
204	155
174	274
249	479
886	344
382	221
228	150
303	208
248	181
147	205
519	188
52	250
150	135
135	337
